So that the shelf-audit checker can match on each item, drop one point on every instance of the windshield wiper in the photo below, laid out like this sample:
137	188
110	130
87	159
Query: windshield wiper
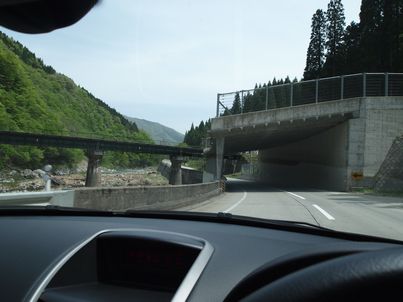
220	218
49	210
228	218
271	221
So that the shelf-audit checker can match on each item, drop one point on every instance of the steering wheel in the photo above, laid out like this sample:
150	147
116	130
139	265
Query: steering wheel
366	276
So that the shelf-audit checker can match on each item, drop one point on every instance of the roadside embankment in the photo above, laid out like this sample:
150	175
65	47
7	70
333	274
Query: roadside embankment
119	198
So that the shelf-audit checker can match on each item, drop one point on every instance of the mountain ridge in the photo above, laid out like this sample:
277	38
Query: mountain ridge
36	98
157	131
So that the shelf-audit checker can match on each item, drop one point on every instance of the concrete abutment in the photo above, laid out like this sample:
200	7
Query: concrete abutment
337	145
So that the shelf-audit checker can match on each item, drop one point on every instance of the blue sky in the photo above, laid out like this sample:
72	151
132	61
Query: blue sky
165	61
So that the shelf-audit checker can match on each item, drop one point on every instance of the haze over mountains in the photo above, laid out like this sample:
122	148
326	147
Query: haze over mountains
159	133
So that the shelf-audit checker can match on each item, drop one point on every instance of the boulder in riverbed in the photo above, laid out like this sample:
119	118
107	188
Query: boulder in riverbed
28	173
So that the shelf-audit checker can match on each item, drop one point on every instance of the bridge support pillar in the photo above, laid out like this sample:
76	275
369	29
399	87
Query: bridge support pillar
175	175
219	157
213	169
93	178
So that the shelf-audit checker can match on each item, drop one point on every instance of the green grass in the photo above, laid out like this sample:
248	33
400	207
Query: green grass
196	164
234	175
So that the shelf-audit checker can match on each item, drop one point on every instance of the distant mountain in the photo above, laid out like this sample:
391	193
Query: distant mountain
159	133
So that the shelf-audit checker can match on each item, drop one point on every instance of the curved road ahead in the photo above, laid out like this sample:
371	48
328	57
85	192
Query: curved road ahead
350	212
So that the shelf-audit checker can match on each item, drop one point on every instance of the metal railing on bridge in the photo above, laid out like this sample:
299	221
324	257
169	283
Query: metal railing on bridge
94	135
309	92
94	144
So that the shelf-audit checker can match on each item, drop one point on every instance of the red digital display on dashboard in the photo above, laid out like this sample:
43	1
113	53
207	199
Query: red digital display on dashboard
143	263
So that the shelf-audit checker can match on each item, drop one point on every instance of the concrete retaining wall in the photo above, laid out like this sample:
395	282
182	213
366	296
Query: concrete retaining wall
390	175
371	135
145	198
165	168
189	175
384	122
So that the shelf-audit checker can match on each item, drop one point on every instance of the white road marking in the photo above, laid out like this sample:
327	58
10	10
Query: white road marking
296	195
236	204
327	215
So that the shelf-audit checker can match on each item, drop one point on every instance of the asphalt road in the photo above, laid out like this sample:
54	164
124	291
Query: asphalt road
350	212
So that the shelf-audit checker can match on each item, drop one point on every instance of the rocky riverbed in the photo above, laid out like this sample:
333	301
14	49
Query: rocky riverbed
32	180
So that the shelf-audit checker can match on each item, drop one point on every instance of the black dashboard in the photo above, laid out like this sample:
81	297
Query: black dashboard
127	263
85	258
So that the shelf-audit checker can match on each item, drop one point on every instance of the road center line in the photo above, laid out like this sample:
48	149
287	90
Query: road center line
237	203
327	215
296	195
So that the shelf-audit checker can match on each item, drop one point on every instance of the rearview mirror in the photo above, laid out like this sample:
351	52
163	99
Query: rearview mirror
42	16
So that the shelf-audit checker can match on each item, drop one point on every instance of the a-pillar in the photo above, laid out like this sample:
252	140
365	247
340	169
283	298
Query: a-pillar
93	178
219	157
175	175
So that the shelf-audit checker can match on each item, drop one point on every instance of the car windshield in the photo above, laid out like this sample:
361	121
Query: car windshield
282	110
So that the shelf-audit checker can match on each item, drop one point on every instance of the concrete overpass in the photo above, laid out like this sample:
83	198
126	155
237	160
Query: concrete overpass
96	148
337	144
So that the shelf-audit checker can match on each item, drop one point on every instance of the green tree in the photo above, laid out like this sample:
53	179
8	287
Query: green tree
189	136
391	53
352	50
248	103
316	50
194	137
335	23
381	28
371	18
236	105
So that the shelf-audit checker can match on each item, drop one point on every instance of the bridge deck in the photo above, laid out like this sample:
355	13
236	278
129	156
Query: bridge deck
44	140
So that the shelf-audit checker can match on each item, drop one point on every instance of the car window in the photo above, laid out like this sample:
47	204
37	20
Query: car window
280	110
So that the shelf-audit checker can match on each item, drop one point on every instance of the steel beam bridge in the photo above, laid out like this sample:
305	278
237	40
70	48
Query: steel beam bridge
45	140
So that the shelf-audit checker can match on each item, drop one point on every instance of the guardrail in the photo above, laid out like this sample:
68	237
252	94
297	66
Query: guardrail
37	198
309	92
